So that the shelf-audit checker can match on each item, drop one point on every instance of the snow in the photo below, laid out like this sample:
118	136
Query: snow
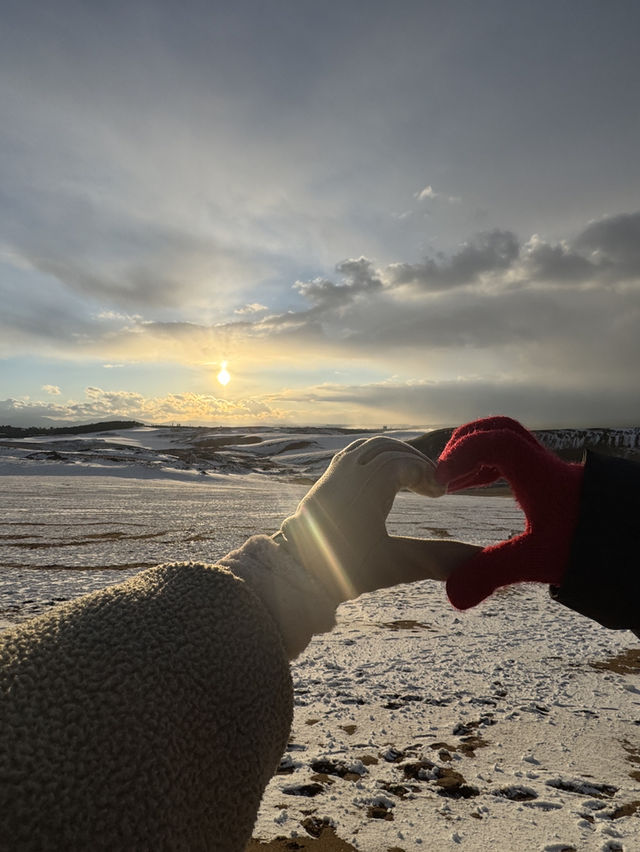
512	678
416	726
147	437
180	453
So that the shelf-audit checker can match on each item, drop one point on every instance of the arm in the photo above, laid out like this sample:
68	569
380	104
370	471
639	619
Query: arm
336	546
153	713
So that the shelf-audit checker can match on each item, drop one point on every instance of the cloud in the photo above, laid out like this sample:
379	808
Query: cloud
360	279
613	244
555	263
424	402
171	171
558	315
102	404
520	305
99	252
52	390
164	180
157	166
428	194
25	412
489	252
252	309
605	252
439	403
41	321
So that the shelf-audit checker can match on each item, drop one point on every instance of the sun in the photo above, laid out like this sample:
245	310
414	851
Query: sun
223	376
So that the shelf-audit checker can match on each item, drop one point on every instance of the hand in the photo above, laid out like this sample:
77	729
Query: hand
547	489
338	531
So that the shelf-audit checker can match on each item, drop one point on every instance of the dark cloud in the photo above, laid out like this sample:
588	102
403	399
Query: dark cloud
557	263
489	252
614	243
542	332
453	402
359	278
534	294
605	251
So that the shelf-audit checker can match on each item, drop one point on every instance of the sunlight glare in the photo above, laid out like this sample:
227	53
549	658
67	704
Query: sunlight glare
223	376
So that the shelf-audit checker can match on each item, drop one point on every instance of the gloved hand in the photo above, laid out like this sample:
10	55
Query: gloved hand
338	532
547	489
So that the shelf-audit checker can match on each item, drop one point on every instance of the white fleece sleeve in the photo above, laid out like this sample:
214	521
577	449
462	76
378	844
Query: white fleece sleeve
297	603
147	715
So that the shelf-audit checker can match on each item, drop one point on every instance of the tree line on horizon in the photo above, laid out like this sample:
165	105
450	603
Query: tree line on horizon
34	431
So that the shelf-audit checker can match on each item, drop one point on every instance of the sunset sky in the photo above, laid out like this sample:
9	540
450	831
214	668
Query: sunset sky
373	212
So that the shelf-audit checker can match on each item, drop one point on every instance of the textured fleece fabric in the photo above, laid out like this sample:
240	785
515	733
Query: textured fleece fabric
151	715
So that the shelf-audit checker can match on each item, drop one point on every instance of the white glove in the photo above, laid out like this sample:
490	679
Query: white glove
338	532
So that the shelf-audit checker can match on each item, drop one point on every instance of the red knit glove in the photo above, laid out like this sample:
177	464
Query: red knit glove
547	489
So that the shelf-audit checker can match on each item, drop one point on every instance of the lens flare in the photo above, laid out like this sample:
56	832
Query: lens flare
223	376
336	571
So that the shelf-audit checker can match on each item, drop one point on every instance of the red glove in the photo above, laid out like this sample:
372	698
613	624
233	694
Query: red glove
547	489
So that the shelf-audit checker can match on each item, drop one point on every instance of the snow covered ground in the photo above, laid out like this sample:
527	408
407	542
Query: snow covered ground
515	726
182	453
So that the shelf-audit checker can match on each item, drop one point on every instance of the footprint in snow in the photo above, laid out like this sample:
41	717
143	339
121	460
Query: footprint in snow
350	772
582	787
308	790
517	793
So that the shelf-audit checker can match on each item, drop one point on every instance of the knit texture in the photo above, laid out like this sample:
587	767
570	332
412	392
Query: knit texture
547	489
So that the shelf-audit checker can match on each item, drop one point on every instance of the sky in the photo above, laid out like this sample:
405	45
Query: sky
363	212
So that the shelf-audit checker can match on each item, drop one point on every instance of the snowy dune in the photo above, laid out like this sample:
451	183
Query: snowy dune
515	726
180	452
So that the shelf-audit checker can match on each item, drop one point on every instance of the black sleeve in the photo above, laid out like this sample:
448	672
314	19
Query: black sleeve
602	580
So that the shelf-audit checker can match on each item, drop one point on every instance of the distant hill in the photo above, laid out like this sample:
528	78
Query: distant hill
35	431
